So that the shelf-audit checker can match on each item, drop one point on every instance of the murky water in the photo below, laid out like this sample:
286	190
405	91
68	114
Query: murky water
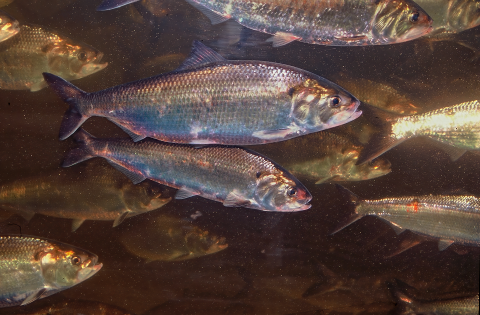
275	263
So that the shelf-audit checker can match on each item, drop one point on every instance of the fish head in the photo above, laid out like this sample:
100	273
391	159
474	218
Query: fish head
73	61
398	21
463	14
278	190
201	243
318	105
64	266
9	26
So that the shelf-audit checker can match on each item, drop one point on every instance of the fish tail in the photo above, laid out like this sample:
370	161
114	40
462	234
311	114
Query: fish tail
383	140
83	152
353	200
70	94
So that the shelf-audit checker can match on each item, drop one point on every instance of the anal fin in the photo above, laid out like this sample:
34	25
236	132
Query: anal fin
33	297
184	193
135	137
133	176
214	17
76	223
282	38
443	244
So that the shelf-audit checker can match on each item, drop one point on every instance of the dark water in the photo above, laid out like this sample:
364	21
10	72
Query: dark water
275	263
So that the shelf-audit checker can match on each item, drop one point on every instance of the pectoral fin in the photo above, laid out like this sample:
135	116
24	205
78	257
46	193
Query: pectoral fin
33	297
120	218
76	224
235	200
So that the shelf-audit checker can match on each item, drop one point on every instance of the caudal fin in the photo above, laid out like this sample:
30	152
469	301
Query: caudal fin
382	141
70	94
82	152
113	4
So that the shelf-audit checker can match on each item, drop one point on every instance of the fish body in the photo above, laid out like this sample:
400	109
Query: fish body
35	49
95	193
231	175
167	238
9	26
77	307
451	16
448	218
32	268
456	127
339	23
457	306
210	100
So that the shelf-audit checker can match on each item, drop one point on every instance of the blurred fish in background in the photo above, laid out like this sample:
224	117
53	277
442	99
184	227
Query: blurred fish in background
32	268
318	21
168	238
5	2
9	26
94	192
36	49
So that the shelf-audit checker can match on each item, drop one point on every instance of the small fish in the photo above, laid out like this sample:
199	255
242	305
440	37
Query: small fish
455	128
9	26
35	49
326	157
95	193
451	219
210	100
335	22
451	16
234	176
77	307
32	268
167	238
379	95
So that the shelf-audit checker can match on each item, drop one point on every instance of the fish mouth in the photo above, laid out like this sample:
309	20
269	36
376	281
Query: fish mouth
89	268
9	30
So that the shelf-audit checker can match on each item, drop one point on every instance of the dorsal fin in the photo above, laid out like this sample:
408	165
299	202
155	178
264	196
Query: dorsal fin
200	55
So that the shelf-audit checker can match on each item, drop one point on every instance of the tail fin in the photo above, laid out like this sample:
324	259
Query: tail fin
352	202
83	152
70	94
382	141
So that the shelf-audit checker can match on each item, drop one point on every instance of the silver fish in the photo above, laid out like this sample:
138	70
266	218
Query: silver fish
9	26
32	268
234	176
447	218
95	193
210	100
455	128
167	238
336	22
35	49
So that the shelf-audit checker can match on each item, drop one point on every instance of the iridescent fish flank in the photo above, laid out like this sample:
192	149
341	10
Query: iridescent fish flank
447	218
211	100
335	22
235	176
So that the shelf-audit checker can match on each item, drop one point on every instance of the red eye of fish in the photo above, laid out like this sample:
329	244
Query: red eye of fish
76	261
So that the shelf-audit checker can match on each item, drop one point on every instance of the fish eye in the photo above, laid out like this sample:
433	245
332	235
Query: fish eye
258	174
76	260
292	192
414	17
335	101
82	56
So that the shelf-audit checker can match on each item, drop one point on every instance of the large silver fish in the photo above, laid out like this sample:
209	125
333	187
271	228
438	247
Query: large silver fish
234	176
210	100
336	22
167	238
447	218
94	193
9	26
32	268
455	128
35	49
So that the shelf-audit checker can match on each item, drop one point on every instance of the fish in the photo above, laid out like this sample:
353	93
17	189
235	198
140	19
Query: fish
94	193
379	95
210	100
463	306
74	307
5	2
36	49
32	268
9	26
168	238
454	128
326	157
336	23
235	176
451	16
449	218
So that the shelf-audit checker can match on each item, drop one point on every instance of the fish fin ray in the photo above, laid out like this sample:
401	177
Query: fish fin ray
200	55
118	220
443	244
184	193
235	200
33	297
453	152
113	4
397	228
376	146
135	137
327	179
214	17
76	223
351	219
133	176
38	86
282	38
